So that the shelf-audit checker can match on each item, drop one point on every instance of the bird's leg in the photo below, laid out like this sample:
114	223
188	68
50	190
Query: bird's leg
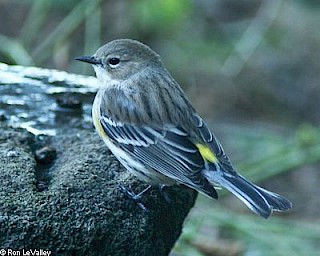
162	191
136	197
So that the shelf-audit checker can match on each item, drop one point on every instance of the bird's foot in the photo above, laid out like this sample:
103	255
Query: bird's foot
162	191
136	197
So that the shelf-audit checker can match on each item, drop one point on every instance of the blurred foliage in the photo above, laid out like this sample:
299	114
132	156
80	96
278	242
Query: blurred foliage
161	16
215	231
255	60
265	151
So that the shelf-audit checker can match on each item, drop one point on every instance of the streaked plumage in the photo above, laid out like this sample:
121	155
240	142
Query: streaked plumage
148	123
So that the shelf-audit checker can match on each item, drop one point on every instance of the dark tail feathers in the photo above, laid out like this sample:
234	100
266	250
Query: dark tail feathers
259	200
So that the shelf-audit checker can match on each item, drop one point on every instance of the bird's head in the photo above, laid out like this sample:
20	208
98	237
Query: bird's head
120	59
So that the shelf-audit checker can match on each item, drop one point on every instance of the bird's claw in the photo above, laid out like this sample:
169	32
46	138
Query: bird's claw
135	197
164	193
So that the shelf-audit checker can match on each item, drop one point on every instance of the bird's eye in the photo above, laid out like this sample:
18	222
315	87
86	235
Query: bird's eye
113	62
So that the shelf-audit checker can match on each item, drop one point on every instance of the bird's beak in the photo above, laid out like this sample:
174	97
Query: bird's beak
89	59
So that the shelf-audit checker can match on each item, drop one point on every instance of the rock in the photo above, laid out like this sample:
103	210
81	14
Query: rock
45	155
80	209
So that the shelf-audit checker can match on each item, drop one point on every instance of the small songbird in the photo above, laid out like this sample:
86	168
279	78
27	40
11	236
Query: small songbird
150	126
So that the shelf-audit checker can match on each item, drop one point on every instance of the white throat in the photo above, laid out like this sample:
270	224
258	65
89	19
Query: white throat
104	77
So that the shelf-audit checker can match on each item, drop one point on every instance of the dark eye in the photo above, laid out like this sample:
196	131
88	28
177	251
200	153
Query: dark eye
113	62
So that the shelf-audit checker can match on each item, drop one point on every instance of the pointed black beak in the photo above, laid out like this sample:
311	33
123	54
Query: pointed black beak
89	59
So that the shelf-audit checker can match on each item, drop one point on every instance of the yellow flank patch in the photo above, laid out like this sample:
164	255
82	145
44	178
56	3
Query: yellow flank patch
100	130
207	153
98	125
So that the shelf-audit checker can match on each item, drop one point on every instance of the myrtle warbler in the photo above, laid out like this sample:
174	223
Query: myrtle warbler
148	123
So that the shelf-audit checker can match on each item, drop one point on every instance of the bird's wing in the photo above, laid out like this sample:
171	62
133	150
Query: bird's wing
215	146
168	151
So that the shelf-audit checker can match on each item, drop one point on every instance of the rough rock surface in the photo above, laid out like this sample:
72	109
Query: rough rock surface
72	204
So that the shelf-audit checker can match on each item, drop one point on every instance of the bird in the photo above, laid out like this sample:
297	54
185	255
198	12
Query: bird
149	124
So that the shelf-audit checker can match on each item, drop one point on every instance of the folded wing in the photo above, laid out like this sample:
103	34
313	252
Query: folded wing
168	151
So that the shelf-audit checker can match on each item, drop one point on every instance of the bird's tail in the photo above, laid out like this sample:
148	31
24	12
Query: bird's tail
259	200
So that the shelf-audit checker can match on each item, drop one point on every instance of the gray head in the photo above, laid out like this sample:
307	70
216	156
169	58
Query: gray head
120	59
